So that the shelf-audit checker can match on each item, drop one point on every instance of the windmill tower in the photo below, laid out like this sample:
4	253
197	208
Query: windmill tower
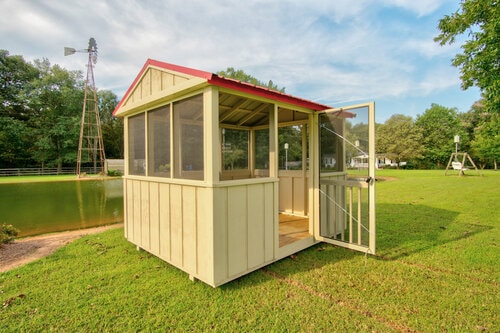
90	144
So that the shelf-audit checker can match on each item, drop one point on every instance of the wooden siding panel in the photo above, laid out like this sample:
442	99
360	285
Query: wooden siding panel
269	217
179	79
145	236
154	218
136	95
298	195
146	84
220	236
156	83
129	228
256	223
176	225
205	233
164	206
237	230
136	222
189	227
286	194
167	80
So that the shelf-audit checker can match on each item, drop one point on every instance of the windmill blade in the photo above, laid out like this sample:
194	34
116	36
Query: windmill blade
69	51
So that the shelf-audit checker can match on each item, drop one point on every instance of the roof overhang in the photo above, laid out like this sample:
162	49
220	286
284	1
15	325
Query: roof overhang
196	79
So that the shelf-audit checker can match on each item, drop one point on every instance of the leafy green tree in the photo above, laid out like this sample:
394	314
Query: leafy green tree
291	135
470	121
481	135
240	75
15	133
111	127
438	125
400	139
56	100
15	143
15	76
486	143
480	60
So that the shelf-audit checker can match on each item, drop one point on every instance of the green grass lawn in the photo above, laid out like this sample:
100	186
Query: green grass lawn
436	270
46	178
31	179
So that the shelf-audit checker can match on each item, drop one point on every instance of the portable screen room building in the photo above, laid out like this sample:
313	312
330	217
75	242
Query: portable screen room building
223	177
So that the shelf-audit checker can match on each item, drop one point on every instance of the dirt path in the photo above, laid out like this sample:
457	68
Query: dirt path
29	249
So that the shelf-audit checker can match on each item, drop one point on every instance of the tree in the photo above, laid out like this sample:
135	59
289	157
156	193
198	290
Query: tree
15	133
240	75
486	143
15	76
56	101
439	125
400	139
480	61
111	127
481	138
15	143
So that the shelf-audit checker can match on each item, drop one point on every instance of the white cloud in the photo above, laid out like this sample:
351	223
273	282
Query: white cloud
420	7
327	50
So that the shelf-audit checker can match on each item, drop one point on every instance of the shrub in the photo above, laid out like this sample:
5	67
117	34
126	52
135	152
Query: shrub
114	173
7	233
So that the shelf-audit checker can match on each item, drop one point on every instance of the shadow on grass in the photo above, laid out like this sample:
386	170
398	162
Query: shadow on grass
307	260
403	230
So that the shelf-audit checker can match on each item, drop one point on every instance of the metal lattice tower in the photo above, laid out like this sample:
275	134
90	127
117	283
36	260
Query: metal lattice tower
90	145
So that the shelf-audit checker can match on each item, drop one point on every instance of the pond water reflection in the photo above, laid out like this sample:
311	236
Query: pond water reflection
36	208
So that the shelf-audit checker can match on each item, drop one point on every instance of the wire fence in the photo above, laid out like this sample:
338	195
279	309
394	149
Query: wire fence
46	171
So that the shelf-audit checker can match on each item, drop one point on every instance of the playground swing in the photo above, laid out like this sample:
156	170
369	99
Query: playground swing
458	165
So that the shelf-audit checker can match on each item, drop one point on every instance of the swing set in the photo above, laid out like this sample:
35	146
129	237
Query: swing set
458	161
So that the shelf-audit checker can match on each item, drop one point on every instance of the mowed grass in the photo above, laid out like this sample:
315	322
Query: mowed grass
436	270
46	178
36	179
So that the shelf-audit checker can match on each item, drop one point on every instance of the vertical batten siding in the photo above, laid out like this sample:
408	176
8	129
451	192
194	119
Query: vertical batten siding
154	217
146	85
204	236
220	235
189	246
256	225
155	81
145	221
173	222
237	230
293	197
136	221
129	216
176	225
164	226
299	195
244	229
270	213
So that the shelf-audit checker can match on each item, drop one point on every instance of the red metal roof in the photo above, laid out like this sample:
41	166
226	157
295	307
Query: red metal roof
228	83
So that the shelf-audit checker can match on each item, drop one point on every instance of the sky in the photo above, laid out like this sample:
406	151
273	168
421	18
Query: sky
337	53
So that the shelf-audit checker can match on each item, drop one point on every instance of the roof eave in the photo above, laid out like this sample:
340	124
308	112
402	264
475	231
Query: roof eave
265	93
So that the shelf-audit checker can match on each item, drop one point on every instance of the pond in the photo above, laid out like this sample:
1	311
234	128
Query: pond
36	208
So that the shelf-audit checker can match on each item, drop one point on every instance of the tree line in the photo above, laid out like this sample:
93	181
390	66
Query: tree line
428	141
40	113
41	106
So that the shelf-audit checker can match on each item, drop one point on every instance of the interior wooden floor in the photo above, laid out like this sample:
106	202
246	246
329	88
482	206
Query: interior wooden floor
292	228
